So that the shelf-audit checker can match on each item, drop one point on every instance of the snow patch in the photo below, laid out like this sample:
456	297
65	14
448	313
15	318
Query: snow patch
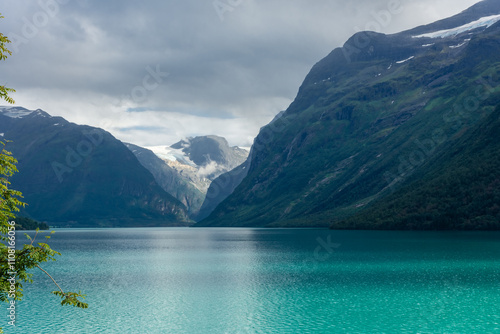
487	22
427	45
40	112
459	45
2	134
404	61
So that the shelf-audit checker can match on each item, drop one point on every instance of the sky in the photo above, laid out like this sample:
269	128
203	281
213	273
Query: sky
152	72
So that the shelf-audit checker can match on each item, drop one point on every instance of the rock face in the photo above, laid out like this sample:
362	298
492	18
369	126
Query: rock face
370	118
74	175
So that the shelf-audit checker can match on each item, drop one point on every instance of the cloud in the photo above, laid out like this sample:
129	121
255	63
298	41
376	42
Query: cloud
211	168
226	73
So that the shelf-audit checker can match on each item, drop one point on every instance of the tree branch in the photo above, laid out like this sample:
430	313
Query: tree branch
53	280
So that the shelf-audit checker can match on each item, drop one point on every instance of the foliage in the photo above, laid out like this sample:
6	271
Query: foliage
459	190
4	91
31	255
9	198
25	223
71	298
16	263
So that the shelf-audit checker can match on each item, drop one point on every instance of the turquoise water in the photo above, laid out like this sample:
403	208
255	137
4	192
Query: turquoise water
268	281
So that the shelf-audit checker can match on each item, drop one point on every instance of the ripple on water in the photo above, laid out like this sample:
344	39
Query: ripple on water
266	281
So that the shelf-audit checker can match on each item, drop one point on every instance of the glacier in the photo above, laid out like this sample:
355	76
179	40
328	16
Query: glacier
171	154
487	22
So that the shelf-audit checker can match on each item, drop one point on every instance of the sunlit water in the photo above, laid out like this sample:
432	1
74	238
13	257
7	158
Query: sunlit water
267	281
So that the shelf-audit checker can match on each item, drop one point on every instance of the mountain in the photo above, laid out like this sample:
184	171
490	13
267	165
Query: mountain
369	121
75	175
212	155
170	179
187	168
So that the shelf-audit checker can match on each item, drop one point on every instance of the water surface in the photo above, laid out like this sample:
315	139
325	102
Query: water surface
268	281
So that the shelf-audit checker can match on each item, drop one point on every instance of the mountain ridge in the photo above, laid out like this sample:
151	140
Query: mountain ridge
359	111
75	175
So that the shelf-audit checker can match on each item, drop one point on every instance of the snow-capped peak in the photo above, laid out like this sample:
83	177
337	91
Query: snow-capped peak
20	112
487	22
15	112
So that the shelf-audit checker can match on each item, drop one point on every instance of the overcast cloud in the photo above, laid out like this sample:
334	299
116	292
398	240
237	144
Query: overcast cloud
154	71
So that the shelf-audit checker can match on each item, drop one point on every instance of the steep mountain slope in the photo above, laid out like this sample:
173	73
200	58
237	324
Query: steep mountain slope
170	179
458	190
366	118
73	175
220	188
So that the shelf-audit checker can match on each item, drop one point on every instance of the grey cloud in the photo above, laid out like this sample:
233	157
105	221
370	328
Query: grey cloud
247	66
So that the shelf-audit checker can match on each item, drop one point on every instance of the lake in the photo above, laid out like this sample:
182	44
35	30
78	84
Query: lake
185	280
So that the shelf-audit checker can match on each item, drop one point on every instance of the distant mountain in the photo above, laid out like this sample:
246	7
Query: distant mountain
212	151
369	121
187	168
170	179
75	175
